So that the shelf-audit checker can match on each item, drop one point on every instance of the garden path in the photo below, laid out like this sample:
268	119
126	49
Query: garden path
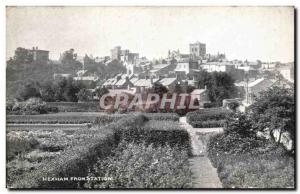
204	175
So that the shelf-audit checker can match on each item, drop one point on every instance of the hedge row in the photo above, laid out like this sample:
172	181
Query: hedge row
207	124
158	133
92	145
162	116
75	106
59	118
210	117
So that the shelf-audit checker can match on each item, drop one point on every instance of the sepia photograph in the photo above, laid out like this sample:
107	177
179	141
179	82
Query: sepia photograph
150	97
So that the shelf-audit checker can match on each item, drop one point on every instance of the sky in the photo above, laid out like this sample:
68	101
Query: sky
264	33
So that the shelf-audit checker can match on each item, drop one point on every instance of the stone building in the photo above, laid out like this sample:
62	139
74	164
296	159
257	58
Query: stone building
197	50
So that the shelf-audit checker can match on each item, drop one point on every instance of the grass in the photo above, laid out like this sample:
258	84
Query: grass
250	163
143	166
62	154
61	118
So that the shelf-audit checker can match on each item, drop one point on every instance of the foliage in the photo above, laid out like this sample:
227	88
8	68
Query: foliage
84	95
27	90
209	117
87	147
220	85
245	160
159	89
162	116
61	118
143	166
275	109
19	143
101	91
31	106
208	123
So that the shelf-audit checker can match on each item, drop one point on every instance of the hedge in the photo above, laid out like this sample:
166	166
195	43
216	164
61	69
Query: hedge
93	144
158	133
210	117
162	116
208	124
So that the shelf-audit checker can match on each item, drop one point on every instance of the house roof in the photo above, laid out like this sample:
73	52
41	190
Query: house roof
121	82
122	91
145	82
167	81
254	83
86	78
134	79
81	72
198	91
111	81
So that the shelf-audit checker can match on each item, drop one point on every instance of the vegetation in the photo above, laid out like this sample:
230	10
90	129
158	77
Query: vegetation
143	166
274	111
76	154
248	154
207	118
220	86
61	118
32	106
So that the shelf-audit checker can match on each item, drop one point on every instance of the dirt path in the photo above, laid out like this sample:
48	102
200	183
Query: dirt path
203	173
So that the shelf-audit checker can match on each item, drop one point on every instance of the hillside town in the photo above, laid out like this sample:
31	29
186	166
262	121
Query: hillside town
251	77
150	98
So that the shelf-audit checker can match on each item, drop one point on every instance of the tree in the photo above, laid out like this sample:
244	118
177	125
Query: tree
84	95
114	67
27	90
220	86
101	91
273	110
47	91
66	90
158	88
22	55
69	61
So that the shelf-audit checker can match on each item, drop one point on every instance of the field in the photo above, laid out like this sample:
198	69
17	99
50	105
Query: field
64	145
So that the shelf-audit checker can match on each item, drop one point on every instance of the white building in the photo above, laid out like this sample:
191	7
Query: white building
218	66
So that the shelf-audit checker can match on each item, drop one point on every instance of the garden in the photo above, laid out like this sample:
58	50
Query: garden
137	151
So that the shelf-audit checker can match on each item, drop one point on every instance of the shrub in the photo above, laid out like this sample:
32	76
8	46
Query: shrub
32	106
86	149
143	166
158	133
208	124
162	116
19	142
244	160
61	118
210	117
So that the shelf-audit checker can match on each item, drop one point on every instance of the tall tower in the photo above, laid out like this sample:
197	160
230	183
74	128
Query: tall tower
197	50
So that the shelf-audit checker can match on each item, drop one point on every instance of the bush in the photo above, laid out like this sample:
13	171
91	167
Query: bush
86	149
244	160
158	133
162	116
19	143
208	124
61	118
250	163
143	166
32	106
211	117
